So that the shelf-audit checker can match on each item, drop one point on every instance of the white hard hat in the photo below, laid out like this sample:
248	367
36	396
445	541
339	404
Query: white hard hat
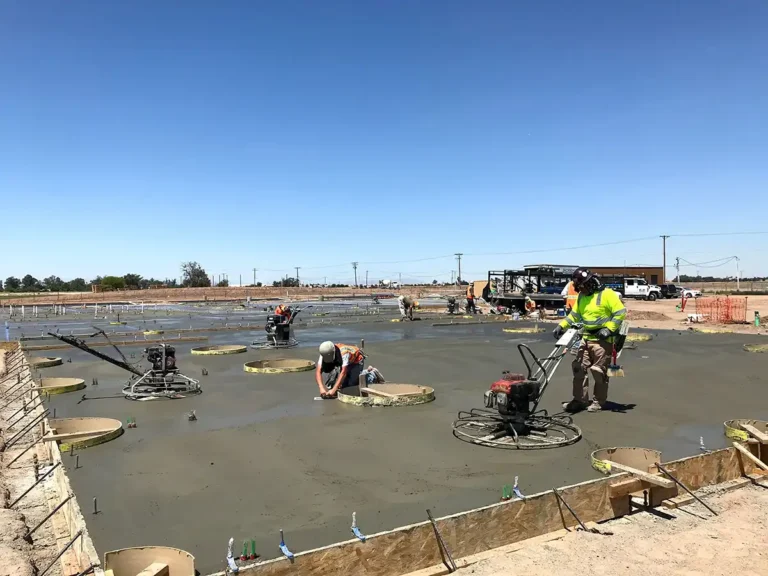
328	351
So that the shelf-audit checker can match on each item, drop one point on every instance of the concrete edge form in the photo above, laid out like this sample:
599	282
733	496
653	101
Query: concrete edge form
414	547
105	429
131	561
66	522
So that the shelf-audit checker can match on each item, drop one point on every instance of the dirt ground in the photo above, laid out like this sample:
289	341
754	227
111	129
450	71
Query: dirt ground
662	315
693	542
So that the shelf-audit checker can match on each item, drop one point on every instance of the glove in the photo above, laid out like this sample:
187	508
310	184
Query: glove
558	331
604	334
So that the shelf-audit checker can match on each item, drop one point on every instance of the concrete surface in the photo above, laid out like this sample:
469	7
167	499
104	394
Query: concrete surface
263	455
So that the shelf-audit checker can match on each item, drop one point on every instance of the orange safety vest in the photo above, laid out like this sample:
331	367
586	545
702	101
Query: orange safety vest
355	354
282	310
470	291
572	297
530	305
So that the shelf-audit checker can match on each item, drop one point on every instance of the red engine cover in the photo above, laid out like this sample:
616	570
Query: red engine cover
506	383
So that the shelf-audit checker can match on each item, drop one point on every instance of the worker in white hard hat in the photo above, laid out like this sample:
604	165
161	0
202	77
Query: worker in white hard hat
342	363
406	305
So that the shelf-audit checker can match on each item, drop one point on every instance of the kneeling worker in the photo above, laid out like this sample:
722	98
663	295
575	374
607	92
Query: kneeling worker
406	305
342	363
600	311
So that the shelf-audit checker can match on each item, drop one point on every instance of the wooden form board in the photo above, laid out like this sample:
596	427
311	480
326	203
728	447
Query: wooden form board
414	547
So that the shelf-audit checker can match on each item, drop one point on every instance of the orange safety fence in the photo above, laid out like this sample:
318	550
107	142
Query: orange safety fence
722	309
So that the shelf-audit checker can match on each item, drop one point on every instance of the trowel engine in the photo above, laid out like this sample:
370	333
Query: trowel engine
514	396
452	307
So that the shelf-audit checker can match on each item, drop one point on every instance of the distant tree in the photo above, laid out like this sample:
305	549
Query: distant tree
434	282
223	283
172	283
96	281
12	283
113	282
194	275
53	283
132	281
30	284
286	283
76	285
1	285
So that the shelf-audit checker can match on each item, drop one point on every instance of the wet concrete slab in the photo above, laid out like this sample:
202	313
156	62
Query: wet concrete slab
263	455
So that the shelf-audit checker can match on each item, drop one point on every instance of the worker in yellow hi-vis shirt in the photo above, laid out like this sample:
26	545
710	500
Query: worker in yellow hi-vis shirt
600	311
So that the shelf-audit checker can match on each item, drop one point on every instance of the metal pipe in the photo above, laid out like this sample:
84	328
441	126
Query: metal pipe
51	513
444	553
684	487
28	490
21	433
561	499
25	405
60	554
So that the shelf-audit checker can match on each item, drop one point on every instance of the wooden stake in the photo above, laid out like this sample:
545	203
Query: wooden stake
761	436
751	456
648	477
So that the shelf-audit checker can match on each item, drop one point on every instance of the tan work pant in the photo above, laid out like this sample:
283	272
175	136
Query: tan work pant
592	356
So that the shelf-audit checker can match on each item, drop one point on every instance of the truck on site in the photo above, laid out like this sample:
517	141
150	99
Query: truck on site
544	285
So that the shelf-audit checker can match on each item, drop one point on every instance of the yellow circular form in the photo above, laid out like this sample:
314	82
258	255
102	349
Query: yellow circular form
756	347
61	385
278	366
219	350
44	362
523	330
152	332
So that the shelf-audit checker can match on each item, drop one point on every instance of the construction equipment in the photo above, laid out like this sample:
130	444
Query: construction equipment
452	307
511	418
162	380
279	332
614	370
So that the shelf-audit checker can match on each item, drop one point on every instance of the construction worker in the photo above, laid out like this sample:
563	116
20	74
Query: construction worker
406	305
471	299
283	310
530	305
571	295
343	364
600	311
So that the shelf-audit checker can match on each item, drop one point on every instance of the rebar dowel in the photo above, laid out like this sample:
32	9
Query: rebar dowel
21	381
445	555
28	490
60	554
12	400
684	487
561	499
23	432
20	454
19	410
51	513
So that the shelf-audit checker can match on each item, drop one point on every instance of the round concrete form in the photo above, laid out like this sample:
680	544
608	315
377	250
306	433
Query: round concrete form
118	323
756	347
712	331
397	395
131	561
734	431
61	385
278	366
639	337
153	332
44	362
523	330
219	350
105	429
643	459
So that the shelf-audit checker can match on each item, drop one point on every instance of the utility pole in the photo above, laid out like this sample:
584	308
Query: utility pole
297	275
254	276
366	278
677	268
241	280
325	280
737	273
354	265
399	279
664	265
458	257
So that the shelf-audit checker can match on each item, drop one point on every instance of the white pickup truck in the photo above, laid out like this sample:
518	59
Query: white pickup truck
634	288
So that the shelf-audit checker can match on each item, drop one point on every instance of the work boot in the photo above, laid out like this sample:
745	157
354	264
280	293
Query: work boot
595	406
574	406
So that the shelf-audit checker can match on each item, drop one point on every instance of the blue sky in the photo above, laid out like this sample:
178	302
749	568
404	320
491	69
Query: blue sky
137	135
